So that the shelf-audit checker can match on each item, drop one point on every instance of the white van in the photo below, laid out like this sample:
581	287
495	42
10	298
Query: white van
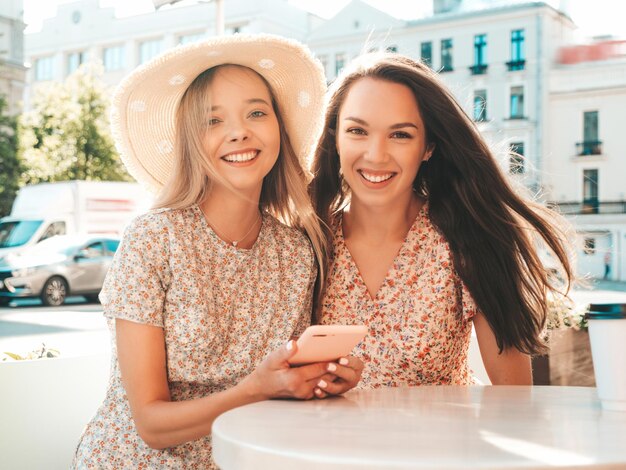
43	210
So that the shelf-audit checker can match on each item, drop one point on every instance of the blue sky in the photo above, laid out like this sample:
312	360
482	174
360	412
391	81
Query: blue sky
595	17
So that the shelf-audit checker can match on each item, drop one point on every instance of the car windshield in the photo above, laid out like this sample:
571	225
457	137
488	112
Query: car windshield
18	232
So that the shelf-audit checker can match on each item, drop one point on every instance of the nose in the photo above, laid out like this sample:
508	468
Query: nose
376	150
238	131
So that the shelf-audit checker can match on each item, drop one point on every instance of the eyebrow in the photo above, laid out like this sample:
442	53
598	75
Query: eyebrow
250	101
399	125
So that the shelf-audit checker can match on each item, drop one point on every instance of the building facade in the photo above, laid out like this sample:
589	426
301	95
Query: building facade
12	70
513	66
585	171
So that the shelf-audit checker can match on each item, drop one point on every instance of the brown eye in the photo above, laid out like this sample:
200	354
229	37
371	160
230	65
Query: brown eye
356	131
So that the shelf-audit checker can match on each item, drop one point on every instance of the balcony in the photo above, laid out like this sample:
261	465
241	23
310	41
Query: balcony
516	65
589	206
478	69
589	147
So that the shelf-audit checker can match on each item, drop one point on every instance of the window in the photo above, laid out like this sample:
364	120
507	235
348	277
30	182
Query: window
324	60
44	68
93	250
446	55
517	102
113	58
480	105
518	56
148	50
589	246
74	60
340	62
480	55
55	228
590	192
590	144
111	245
427	53
189	38
516	159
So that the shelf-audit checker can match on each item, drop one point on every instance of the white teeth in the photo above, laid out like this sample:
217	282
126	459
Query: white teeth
376	178
240	157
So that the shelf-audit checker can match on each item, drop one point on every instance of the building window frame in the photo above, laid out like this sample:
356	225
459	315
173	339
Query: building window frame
447	50
74	60
44	68
426	53
479	111
114	57
591	144
191	38
149	49
517	102
517	160
589	246
340	62
480	55
591	202
518	50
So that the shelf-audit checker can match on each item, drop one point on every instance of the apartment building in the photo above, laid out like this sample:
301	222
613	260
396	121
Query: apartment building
585	169
12	70
512	65
82	30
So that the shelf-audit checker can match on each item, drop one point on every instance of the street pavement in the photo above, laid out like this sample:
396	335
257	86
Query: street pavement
79	328
74	329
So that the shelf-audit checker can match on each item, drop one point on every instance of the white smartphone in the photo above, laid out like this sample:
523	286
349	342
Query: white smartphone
321	343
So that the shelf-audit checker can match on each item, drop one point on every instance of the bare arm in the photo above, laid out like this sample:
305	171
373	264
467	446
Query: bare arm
511	367
162	423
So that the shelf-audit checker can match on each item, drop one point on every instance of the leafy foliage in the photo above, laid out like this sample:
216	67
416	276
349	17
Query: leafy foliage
9	161
66	134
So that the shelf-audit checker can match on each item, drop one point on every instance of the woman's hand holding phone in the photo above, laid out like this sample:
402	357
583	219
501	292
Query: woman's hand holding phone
275	378
347	373
316	374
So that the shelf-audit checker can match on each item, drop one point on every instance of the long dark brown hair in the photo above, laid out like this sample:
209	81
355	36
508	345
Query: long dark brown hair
492	231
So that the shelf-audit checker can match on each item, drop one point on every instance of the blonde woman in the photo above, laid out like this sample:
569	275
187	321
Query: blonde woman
207	289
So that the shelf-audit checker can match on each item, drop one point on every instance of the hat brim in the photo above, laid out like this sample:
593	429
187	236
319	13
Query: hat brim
145	103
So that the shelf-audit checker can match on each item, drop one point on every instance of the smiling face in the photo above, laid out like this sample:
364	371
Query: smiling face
381	141
242	134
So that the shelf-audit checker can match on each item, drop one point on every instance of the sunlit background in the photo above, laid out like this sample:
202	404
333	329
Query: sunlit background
597	17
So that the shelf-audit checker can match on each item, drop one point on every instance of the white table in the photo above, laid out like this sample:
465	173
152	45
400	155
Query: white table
442	427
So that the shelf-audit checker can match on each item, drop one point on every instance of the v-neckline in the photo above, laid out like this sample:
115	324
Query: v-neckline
358	278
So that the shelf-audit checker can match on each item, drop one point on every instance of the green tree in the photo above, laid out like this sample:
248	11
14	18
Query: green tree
66	134
9	161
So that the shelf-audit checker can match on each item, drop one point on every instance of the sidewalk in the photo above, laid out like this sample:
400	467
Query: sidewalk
601	284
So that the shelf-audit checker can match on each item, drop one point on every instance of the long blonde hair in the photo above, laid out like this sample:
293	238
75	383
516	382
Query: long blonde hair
284	192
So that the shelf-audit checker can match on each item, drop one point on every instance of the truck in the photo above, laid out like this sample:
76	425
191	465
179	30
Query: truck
43	210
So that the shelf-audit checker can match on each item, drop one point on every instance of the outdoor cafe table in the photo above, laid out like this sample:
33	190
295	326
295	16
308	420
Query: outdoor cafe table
430	427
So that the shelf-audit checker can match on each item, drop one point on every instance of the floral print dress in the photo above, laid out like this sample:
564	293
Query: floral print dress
419	322
223	309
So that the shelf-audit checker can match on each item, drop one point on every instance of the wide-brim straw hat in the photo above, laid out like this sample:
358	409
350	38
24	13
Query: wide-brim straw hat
145	103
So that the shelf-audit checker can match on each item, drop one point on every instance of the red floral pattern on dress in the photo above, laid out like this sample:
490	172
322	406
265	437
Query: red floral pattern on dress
419	322
223	310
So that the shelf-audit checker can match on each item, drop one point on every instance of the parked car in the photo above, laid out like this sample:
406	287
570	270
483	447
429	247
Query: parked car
56	268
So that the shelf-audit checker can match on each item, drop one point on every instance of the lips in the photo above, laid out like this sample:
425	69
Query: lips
376	177
240	156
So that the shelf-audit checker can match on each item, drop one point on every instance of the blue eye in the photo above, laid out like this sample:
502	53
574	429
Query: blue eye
257	114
